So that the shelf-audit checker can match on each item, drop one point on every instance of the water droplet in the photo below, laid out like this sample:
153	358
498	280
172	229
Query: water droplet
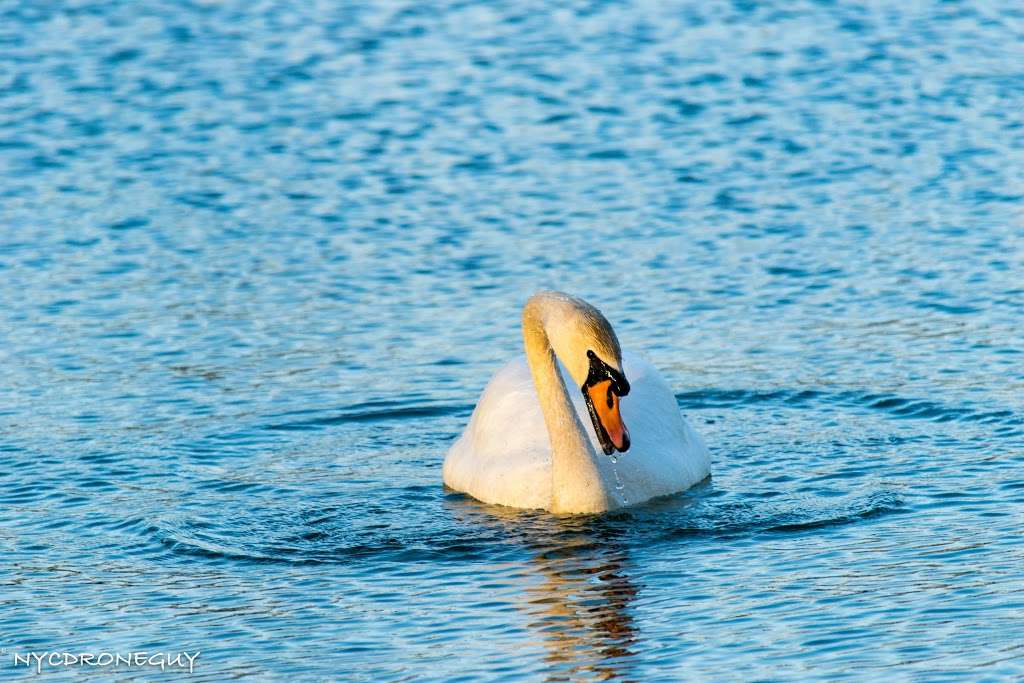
618	480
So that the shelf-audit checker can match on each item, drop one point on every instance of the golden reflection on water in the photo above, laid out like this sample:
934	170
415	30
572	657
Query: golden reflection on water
577	592
581	609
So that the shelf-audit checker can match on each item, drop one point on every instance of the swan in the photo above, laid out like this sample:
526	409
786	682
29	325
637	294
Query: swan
526	446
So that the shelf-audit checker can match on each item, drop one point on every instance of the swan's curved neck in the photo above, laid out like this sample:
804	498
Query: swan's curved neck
576	484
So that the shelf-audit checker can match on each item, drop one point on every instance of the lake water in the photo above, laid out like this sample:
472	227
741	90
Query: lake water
259	259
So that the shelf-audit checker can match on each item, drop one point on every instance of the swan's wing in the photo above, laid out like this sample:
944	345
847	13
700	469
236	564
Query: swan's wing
504	455
666	454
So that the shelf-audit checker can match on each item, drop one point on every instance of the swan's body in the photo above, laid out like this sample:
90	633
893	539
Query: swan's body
530	442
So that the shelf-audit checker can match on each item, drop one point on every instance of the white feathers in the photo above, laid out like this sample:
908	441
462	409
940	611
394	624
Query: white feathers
531	443
504	455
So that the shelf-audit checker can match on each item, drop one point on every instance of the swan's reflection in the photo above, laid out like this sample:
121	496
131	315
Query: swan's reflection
581	608
577	590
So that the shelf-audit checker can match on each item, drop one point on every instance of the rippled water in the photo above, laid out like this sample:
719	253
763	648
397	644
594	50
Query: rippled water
259	259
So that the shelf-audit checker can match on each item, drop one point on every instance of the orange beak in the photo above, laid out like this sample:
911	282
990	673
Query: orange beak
606	404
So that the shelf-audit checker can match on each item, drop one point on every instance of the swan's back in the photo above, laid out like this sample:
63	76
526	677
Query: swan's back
504	454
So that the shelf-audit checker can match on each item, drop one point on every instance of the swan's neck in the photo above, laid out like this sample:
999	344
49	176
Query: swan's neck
576	484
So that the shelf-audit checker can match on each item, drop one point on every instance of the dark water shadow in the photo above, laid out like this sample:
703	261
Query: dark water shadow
429	524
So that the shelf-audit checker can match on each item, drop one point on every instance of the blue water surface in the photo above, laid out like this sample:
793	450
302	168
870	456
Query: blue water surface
258	259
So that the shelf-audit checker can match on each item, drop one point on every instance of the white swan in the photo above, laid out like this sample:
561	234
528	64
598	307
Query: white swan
526	446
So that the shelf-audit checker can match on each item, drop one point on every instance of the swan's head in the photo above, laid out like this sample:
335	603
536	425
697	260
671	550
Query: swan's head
584	341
